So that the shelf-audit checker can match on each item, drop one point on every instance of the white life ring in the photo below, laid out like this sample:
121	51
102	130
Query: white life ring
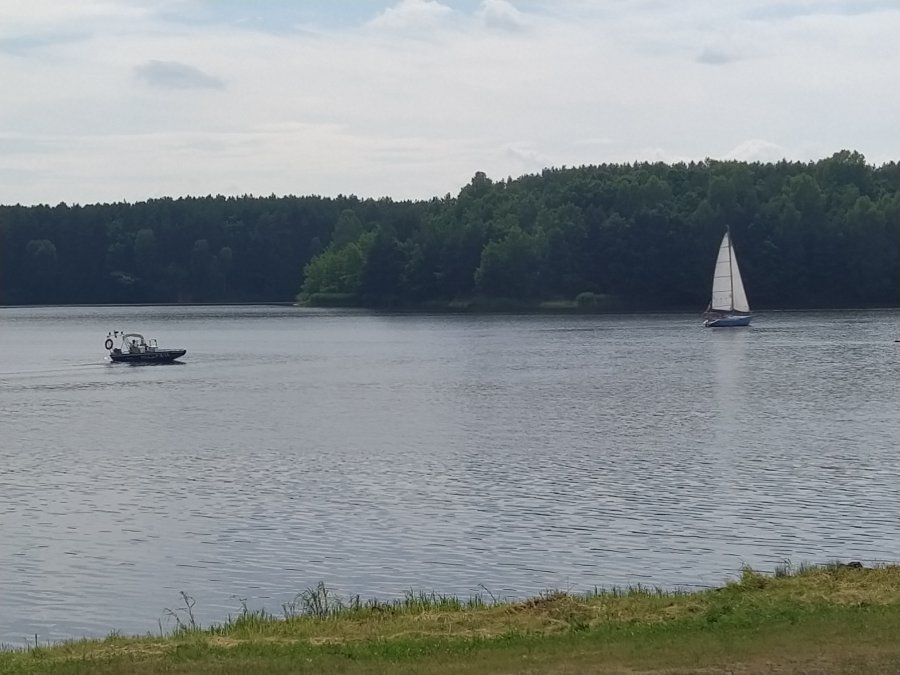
108	344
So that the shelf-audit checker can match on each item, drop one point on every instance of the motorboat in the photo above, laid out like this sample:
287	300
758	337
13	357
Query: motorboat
133	348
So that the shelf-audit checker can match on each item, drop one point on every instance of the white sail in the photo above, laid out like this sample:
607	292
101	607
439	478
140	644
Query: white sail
739	295
728	293
721	290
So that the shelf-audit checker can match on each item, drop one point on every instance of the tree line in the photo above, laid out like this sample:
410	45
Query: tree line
823	233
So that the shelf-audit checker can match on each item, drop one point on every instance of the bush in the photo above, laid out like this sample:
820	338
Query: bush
587	299
331	300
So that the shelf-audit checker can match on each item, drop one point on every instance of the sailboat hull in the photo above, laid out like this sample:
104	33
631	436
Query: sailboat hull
728	322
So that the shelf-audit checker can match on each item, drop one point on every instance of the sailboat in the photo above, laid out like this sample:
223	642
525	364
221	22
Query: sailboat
728	305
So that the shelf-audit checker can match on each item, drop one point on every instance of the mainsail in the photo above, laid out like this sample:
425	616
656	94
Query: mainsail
728	293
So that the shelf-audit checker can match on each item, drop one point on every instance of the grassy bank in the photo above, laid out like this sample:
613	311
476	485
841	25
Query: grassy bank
828	619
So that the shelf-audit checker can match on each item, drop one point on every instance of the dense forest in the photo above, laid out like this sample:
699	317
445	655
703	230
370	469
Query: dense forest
824	233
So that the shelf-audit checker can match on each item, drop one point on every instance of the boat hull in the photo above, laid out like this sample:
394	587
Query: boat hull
158	356
728	322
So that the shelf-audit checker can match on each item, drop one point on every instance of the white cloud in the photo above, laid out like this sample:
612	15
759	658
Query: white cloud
601	140
348	107
412	15
17	16
757	150
527	155
802	8
175	75
502	15
25	43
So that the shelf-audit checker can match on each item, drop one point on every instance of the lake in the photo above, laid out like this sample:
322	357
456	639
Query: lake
381	453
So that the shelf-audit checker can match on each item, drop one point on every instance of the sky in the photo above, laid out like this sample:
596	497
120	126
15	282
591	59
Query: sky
126	100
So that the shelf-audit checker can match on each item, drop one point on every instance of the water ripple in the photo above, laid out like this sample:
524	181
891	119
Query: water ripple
386	453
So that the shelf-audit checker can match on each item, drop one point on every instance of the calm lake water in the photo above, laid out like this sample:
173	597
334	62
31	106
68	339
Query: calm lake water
382	453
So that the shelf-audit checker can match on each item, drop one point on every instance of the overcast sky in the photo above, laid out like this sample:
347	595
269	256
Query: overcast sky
111	100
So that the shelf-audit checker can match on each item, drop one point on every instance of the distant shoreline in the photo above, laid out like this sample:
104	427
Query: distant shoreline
492	307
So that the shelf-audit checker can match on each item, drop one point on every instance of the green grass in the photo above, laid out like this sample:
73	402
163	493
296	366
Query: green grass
810	620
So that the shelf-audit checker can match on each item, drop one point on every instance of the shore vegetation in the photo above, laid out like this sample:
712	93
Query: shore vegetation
815	619
605	237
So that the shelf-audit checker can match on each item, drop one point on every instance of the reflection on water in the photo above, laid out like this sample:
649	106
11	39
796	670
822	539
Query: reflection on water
728	364
380	453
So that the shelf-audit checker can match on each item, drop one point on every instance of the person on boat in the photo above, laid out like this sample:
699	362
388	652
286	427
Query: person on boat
132	348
